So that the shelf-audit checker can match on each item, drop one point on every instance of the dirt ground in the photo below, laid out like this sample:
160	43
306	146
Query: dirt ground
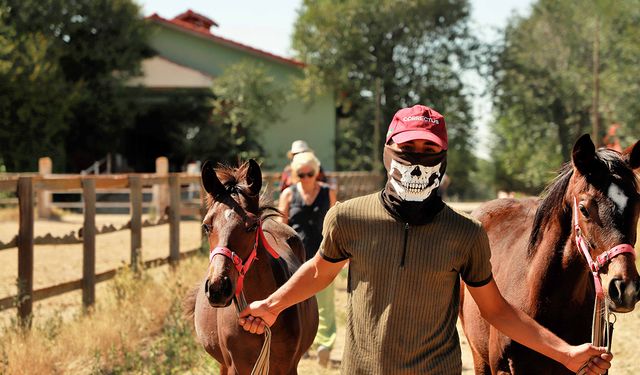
54	264
58	263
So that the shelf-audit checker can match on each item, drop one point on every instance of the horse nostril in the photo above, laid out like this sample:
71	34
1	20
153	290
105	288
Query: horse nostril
226	286
206	287
616	289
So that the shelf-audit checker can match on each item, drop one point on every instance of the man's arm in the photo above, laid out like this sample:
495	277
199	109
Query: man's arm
523	329
313	276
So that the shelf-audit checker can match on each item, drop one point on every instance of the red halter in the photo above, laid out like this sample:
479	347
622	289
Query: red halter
602	259
243	267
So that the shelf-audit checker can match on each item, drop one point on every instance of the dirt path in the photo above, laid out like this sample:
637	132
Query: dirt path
54	264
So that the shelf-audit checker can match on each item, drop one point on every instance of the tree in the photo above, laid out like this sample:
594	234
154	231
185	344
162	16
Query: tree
33	99
90	49
384	55
543	85
247	100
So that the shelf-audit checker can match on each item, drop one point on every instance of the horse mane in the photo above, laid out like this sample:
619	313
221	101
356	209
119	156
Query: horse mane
554	194
551	205
232	178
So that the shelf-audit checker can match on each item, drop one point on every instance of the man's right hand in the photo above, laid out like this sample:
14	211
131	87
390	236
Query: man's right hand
256	316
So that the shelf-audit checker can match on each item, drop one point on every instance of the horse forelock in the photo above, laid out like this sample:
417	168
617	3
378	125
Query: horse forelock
618	168
234	180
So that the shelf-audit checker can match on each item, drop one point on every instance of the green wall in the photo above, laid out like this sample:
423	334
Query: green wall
315	122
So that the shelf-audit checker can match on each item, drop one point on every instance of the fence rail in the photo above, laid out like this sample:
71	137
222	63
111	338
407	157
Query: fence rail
166	188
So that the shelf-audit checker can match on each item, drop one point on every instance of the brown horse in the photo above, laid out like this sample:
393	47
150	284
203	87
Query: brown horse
540	268
239	225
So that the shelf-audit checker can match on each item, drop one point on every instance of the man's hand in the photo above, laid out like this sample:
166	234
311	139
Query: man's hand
592	360
255	317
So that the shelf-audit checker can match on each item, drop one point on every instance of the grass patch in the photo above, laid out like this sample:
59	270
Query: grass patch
137	328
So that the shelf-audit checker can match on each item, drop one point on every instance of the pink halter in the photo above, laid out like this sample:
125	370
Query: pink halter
602	259
243	267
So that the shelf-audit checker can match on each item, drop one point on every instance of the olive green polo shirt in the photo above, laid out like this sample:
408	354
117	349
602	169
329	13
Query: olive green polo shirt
404	285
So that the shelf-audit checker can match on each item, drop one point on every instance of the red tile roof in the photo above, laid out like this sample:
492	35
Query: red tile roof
202	32
196	18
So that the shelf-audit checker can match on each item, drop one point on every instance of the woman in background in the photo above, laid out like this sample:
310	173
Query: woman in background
304	205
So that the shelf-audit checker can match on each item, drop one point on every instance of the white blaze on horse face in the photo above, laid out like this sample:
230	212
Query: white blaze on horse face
228	213
415	184
618	197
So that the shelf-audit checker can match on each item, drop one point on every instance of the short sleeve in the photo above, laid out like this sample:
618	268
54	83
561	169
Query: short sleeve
477	270
332	246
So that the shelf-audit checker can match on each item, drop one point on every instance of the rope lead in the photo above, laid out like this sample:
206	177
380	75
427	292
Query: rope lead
262	363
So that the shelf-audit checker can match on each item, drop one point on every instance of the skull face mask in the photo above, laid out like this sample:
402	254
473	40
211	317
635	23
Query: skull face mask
416	182
412	182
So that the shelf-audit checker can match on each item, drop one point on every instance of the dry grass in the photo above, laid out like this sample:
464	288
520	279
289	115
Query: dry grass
119	336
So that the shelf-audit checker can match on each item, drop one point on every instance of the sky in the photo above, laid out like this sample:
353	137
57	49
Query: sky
263	25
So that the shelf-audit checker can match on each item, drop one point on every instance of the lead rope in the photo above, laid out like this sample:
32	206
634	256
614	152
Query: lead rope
601	329
262	363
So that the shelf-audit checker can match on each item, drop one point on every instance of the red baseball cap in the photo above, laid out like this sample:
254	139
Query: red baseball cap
418	122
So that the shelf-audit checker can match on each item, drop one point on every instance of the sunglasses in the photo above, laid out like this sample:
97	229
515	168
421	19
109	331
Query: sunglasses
303	175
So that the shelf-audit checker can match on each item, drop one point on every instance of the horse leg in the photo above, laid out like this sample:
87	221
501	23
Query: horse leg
479	365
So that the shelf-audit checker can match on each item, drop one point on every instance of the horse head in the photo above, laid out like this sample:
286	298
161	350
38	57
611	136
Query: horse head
605	204
232	223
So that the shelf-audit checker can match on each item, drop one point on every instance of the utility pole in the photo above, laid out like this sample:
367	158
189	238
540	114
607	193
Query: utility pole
595	121
375	159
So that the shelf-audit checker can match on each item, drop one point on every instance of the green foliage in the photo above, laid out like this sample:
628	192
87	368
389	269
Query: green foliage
247	100
33	101
63	65
543	85
415	50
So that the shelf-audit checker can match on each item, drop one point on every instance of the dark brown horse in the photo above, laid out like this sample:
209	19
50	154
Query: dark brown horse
540	269
237	224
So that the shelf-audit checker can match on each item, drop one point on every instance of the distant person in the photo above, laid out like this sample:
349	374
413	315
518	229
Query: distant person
304	205
296	148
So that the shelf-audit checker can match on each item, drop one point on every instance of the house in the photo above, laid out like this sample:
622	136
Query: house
191	56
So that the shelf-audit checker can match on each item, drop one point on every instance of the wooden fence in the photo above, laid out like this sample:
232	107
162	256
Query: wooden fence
27	186
349	184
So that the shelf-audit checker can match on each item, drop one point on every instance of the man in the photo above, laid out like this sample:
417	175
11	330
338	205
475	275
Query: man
407	252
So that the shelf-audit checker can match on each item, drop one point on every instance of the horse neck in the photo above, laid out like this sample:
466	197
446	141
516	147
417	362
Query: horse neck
558	274
260	281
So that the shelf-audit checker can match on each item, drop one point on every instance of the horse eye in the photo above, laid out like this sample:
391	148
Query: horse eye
584	211
206	228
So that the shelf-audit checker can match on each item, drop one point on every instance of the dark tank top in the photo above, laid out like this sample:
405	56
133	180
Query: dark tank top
307	220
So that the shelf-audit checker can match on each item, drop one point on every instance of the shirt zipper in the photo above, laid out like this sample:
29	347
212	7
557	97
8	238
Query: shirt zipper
404	247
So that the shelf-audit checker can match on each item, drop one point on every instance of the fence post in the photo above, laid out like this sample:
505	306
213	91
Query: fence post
135	197
89	242
44	197
203	213
160	191
25	250
174	219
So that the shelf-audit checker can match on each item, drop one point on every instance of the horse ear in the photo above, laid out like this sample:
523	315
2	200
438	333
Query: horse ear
632	155
210	180
254	177
584	155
